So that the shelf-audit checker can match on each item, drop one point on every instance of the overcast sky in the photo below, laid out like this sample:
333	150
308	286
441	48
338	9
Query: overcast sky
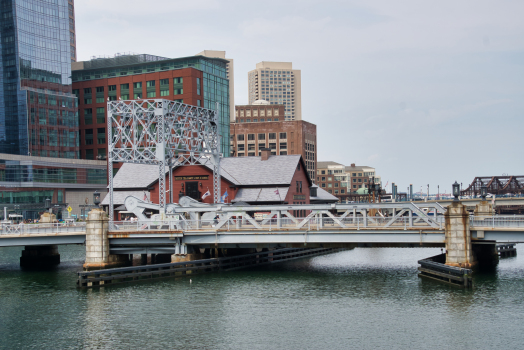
427	92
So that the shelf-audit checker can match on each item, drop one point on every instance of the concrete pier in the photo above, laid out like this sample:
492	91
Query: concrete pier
458	237
97	243
40	256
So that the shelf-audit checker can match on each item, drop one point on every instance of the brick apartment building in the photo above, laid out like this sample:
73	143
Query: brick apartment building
263	126
131	77
341	180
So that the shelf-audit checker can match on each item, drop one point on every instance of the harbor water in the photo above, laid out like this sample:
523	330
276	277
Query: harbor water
369	298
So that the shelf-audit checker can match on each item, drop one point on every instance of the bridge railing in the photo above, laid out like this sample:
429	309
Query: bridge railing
497	221
246	222
42	228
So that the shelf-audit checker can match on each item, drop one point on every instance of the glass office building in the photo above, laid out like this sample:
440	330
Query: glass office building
195	80
38	112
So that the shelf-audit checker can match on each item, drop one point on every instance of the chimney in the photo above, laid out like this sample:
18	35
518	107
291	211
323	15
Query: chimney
266	153
352	165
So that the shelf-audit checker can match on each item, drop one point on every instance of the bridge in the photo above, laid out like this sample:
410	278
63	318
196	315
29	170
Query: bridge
187	230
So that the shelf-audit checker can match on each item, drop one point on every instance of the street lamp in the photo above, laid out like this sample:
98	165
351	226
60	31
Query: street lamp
48	203
456	191
96	198
483	192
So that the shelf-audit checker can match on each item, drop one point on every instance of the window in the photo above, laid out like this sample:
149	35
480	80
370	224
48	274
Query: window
99	100
89	137
359	174
273	146
251	147
324	185
323	172
354	180
261	136
151	94
100	89
150	83
138	96
272	136
111	88
88	101
354	186
359	180
261	119
124	96
323	178
165	93
330	185
283	153
283	145
251	154
89	154
124	86
101	136
87	90
250	137
255	120
178	91
88	116
336	184
240	137
283	135
330	179
137	85
241	154
178	80
100	115
248	120
164	82
342	191
241	147
261	145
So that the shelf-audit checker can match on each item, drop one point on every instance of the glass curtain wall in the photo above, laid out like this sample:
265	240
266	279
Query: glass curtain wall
40	111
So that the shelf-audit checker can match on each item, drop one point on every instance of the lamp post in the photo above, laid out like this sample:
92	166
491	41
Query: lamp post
483	192
96	198
438	192
456	191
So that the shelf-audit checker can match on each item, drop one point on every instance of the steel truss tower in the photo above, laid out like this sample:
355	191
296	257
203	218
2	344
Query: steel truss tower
163	133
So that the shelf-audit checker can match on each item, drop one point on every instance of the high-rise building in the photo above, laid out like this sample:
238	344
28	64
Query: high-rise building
38	112
197	80
230	74
279	84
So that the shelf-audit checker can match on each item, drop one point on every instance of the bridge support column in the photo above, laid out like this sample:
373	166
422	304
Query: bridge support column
458	237
97	243
483	210
40	256
486	254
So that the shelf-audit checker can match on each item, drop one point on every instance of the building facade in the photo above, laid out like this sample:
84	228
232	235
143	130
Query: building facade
197	81
230	74
38	112
260	111
278	83
341	180
26	181
267	179
248	139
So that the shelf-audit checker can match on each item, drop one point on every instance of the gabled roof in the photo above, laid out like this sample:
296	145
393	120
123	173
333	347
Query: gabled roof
241	171
261	194
322	196
325	164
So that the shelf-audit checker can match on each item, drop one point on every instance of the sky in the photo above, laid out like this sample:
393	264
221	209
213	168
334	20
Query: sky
426	92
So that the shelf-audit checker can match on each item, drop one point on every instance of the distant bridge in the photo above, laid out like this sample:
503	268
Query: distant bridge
496	185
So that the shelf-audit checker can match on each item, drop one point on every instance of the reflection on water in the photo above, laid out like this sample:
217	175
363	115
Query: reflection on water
364	298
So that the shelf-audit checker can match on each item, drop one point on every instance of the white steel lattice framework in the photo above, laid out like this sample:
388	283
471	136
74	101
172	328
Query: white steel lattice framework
163	133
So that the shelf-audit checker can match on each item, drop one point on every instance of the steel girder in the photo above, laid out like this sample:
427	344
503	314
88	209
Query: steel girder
163	133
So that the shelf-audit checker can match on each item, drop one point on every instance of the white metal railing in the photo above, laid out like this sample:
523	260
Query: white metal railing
314	222
497	221
50	228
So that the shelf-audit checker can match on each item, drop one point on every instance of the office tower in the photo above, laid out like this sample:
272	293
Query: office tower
196	80
278	83
230	74
38	113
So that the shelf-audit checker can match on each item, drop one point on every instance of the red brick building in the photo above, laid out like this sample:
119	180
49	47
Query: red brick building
183	85
254	180
282	137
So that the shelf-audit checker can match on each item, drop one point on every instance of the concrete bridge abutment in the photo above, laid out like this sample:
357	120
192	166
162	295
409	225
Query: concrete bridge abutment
97	243
458	237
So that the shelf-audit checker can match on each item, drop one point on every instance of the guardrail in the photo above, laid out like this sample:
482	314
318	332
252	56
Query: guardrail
494	221
50	228
299	223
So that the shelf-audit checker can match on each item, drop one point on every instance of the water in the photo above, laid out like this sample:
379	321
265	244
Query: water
359	299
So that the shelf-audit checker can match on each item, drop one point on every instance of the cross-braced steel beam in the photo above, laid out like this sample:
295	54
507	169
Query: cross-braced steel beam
162	133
